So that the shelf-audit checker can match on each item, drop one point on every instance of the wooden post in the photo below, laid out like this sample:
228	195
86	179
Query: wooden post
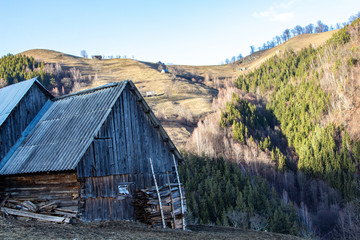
172	201
157	190
181	196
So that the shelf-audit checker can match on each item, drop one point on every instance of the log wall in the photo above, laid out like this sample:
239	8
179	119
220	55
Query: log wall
63	188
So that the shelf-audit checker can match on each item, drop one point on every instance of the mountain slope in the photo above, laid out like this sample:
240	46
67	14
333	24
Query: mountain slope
292	121
296	44
179	102
184	95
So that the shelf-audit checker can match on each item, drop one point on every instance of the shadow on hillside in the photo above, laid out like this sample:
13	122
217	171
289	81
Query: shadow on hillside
154	66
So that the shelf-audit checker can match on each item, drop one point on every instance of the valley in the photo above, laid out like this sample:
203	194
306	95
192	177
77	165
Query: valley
270	141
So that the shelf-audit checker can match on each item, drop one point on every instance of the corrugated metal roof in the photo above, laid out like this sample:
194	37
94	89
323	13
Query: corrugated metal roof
29	129
11	95
64	133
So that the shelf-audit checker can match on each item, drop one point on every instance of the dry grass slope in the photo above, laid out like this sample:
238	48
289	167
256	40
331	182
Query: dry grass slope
176	97
180	101
295	44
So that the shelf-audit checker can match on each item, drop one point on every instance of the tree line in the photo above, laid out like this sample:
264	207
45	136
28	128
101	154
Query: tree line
84	54
55	78
218	192
311	28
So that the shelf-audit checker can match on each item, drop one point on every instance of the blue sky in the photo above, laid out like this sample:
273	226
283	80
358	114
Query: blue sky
179	32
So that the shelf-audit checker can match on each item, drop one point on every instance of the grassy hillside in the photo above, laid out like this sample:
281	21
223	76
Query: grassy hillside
296	44
179	103
184	95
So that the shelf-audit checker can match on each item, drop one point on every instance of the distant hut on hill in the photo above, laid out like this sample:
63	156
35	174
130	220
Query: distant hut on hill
97	57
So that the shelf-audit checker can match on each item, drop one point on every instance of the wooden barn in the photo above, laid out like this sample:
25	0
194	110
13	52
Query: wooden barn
89	153
19	104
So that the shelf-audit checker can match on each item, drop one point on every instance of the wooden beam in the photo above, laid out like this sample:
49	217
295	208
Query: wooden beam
29	205
65	214
48	206
41	217
67	210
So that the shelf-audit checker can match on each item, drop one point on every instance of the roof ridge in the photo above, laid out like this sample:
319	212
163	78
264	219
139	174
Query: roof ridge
86	91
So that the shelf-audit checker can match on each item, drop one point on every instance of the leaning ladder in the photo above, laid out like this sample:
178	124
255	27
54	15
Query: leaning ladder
158	193
181	196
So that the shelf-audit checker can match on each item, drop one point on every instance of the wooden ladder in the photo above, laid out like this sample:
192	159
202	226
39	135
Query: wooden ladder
158	193
181	196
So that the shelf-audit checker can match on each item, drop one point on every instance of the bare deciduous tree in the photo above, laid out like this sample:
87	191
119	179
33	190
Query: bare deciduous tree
309	28
349	221
278	40
252	49
258	222
299	30
286	34
75	74
321	27
84	54
238	219
2	83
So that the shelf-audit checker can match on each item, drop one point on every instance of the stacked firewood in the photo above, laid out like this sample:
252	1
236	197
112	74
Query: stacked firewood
148	209
40	210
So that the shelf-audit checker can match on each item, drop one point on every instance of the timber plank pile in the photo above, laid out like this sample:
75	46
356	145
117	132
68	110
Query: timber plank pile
167	212
45	211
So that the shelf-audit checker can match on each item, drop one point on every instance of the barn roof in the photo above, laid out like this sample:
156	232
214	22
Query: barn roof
11	95
64	133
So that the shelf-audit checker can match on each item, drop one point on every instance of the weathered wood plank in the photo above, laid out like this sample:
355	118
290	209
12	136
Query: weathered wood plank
35	188
41	217
48	206
65	214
